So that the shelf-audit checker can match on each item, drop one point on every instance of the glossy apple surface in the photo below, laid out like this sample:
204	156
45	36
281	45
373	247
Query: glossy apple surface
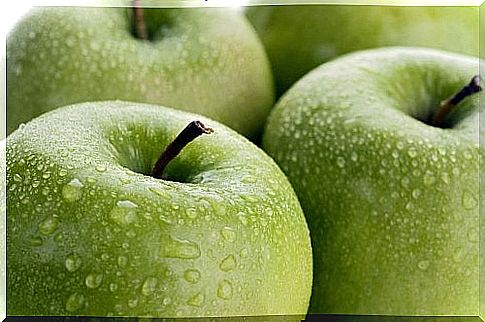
89	233
391	202
204	60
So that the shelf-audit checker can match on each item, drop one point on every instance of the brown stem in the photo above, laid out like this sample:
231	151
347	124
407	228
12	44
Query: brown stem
448	105
193	130
139	20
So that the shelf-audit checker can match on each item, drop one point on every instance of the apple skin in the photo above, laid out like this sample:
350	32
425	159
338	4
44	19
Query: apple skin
209	61
299	38
90	234
391	202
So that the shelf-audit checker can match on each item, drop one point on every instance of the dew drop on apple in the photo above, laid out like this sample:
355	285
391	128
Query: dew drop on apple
416	193
122	261
94	280
224	290
75	302
113	287
132	303
468	200
228	234
179	248
429	178
124	213
73	190
48	226
340	162
192	276
228	263
423	265
196	300
100	168
191	213
73	262
149	286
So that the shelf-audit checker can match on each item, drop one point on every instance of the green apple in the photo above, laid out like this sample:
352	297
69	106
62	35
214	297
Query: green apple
204	60
390	200
90	232
299	38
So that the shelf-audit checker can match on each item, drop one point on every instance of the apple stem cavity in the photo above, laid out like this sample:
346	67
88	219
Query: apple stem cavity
193	130
139	21
448	105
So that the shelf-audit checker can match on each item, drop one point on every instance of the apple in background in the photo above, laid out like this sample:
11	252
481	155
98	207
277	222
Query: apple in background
91	232
391	201
205	60
299	38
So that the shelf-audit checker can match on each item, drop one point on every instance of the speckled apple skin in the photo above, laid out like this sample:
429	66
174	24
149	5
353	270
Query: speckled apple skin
209	61
391	202
90	234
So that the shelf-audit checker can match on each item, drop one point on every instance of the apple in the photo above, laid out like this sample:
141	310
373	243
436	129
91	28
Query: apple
299	38
204	60
91	232
389	196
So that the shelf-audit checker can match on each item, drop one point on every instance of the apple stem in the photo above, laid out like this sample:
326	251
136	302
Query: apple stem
448	105
139	21
193	130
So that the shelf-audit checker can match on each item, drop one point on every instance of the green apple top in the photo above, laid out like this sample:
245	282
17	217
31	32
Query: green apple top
299	38
391	201
204	60
90	232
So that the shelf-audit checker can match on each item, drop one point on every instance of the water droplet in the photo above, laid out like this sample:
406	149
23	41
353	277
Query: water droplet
429	178
149	286
75	302
248	179
405	182
73	262
94	280
468	200
113	287
158	192
132	303
228	263
62	173
192	276
100	168
340	162
72	191
244	252
224	291
122	261
166	300
412	152
196	300
48	226
416	193
124	213
423	265
445	177
191	213
353	156
179	248
228	234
